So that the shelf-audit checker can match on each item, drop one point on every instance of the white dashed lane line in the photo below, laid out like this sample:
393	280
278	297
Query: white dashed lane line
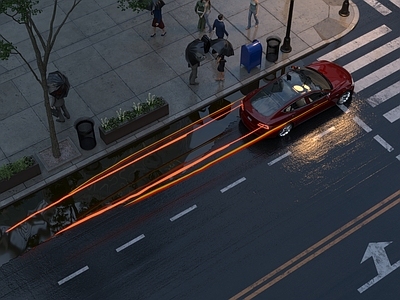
362	124
383	143
320	135
69	277
233	184
279	158
126	245
183	213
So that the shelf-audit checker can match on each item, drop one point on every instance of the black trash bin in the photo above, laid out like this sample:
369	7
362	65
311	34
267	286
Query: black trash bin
85	129
272	53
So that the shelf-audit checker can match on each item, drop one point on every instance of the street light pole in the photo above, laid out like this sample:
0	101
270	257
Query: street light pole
286	48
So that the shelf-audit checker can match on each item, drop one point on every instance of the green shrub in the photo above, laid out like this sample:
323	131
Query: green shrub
11	169
152	102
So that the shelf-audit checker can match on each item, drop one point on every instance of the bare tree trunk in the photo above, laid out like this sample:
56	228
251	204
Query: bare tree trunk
55	147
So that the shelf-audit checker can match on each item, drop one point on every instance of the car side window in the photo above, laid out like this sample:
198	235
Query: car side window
298	104
316	96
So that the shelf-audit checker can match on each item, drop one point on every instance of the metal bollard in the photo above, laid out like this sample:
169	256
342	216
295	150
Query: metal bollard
344	12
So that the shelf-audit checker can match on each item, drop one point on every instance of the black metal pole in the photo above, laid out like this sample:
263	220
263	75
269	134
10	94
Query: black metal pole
286	48
344	12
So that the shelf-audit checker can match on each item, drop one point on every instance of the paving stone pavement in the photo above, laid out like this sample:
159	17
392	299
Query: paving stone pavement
111	61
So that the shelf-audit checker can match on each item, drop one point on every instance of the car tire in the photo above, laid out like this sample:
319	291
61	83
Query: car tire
285	130
346	97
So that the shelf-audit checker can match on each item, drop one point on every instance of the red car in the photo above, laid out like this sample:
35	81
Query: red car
296	97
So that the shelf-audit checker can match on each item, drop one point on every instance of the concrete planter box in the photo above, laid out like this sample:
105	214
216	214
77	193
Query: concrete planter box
133	125
19	178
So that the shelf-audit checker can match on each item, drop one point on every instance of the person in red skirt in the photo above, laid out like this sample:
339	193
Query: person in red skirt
157	20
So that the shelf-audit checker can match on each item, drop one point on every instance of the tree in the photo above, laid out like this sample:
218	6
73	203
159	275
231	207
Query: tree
22	12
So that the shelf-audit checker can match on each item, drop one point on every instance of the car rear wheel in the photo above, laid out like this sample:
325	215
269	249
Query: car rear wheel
285	130
345	97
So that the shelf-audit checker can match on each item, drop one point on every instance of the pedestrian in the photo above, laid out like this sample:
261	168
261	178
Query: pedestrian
200	10
219	27
193	73
207	14
253	10
157	20
57	105
221	68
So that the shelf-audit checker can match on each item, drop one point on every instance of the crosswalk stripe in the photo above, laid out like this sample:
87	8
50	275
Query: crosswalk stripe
384	95
374	77
371	56
393	115
396	2
379	7
355	44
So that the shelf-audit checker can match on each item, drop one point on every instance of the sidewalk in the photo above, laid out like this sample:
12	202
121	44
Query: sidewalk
111	62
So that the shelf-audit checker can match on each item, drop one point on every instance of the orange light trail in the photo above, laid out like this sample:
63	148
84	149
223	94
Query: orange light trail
141	192
114	169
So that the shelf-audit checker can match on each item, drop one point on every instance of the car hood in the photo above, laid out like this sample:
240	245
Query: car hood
336	74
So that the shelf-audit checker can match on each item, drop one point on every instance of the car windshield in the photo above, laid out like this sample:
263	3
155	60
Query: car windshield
288	87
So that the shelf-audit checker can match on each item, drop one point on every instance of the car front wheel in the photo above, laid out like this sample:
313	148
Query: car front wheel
285	130
345	97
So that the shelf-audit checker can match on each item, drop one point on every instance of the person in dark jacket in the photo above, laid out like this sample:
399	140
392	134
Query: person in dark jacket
221	68
157	20
58	104
219	27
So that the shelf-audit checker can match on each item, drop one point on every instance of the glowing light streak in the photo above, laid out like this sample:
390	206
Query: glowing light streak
141	192
114	169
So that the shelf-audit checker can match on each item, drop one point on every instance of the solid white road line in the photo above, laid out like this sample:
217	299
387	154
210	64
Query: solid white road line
396	2
383	143
279	158
373	55
384	95
73	275
393	115
379	7
362	124
355	44
376	76
320	135
130	243
233	184
183	213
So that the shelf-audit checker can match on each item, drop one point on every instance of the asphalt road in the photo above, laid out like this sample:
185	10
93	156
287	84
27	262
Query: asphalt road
275	231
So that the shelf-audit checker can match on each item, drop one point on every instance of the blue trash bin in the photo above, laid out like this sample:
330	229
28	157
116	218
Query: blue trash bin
251	54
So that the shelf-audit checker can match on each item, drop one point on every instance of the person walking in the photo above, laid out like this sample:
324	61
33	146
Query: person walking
253	10
193	73
200	10
207	14
157	20
58	104
221	68
219	27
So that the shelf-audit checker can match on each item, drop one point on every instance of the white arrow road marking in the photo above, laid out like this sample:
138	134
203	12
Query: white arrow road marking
381	260
69	277
383	143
